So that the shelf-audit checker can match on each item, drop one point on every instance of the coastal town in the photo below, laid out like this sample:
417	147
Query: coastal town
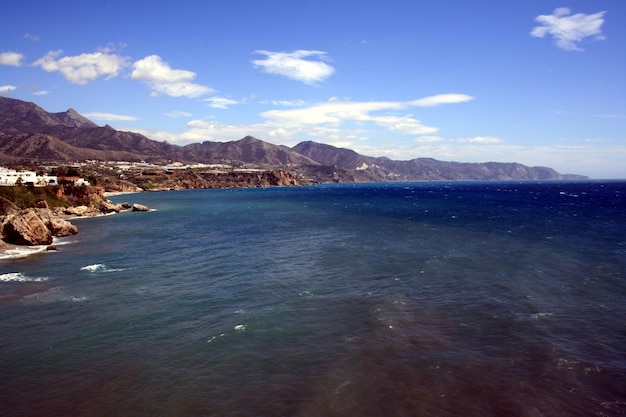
12	177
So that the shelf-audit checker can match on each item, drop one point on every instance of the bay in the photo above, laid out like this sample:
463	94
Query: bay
394	299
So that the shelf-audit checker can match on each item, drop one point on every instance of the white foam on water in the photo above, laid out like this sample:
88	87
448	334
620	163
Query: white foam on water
240	327
76	299
49	295
539	316
215	337
22	251
94	268
20	277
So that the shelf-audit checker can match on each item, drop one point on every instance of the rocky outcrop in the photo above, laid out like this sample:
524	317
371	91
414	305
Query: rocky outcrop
33	226
39	224
59	227
140	207
103	207
26	228
77	211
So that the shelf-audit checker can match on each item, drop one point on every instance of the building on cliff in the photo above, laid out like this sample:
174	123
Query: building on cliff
10	177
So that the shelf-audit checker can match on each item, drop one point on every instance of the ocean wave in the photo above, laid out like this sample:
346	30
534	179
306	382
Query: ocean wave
50	295
21	252
20	277
76	299
99	268
539	316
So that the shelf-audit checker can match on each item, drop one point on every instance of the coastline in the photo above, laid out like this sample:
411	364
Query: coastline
116	193
11	251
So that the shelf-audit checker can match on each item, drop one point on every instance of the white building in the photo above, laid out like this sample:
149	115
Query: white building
13	177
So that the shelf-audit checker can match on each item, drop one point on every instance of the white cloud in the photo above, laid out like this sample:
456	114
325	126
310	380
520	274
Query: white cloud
41	93
428	139
486	140
81	69
164	80
335	112
5	89
341	123
289	103
568	30
438	99
219	102
178	114
293	65
405	125
111	117
13	59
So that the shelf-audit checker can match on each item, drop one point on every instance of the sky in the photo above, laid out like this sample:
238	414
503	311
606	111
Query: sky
538	82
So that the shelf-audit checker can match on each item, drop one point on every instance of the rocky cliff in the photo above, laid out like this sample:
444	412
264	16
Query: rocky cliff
31	226
39	224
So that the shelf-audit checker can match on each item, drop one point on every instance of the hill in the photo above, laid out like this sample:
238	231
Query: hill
28	133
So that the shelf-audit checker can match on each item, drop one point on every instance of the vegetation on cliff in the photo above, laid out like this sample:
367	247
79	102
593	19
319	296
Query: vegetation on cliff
58	196
35	215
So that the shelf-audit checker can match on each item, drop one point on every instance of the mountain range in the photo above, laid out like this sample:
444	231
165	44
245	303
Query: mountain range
28	133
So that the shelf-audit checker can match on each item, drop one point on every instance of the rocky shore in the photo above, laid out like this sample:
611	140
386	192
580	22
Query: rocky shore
39	225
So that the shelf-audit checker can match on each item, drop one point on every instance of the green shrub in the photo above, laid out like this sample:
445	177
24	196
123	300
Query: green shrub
25	197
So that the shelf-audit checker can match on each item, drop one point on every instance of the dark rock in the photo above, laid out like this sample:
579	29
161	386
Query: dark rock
140	207
58	227
26	228
77	211
108	207
61	228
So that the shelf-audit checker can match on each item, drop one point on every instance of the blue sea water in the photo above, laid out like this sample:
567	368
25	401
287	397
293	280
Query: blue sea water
394	299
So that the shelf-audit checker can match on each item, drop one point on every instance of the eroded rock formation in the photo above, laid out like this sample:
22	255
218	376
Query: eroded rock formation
26	228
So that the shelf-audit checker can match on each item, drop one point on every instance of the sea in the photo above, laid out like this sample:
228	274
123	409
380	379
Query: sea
379	299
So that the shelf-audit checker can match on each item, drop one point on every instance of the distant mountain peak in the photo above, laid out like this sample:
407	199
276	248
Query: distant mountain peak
28	131
72	118
249	139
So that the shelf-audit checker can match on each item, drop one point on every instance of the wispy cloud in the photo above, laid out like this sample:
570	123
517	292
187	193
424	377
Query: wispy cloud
32	37
220	102
81	69
13	59
178	114
428	139
110	117
289	103
568	30
41	93
162	79
295	65
438	99
485	140
335	112
341	123
5	89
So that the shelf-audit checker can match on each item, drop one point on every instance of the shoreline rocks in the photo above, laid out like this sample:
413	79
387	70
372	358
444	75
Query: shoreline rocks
26	228
140	207
40	224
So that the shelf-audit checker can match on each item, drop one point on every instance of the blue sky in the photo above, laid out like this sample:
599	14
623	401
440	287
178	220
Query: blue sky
538	82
